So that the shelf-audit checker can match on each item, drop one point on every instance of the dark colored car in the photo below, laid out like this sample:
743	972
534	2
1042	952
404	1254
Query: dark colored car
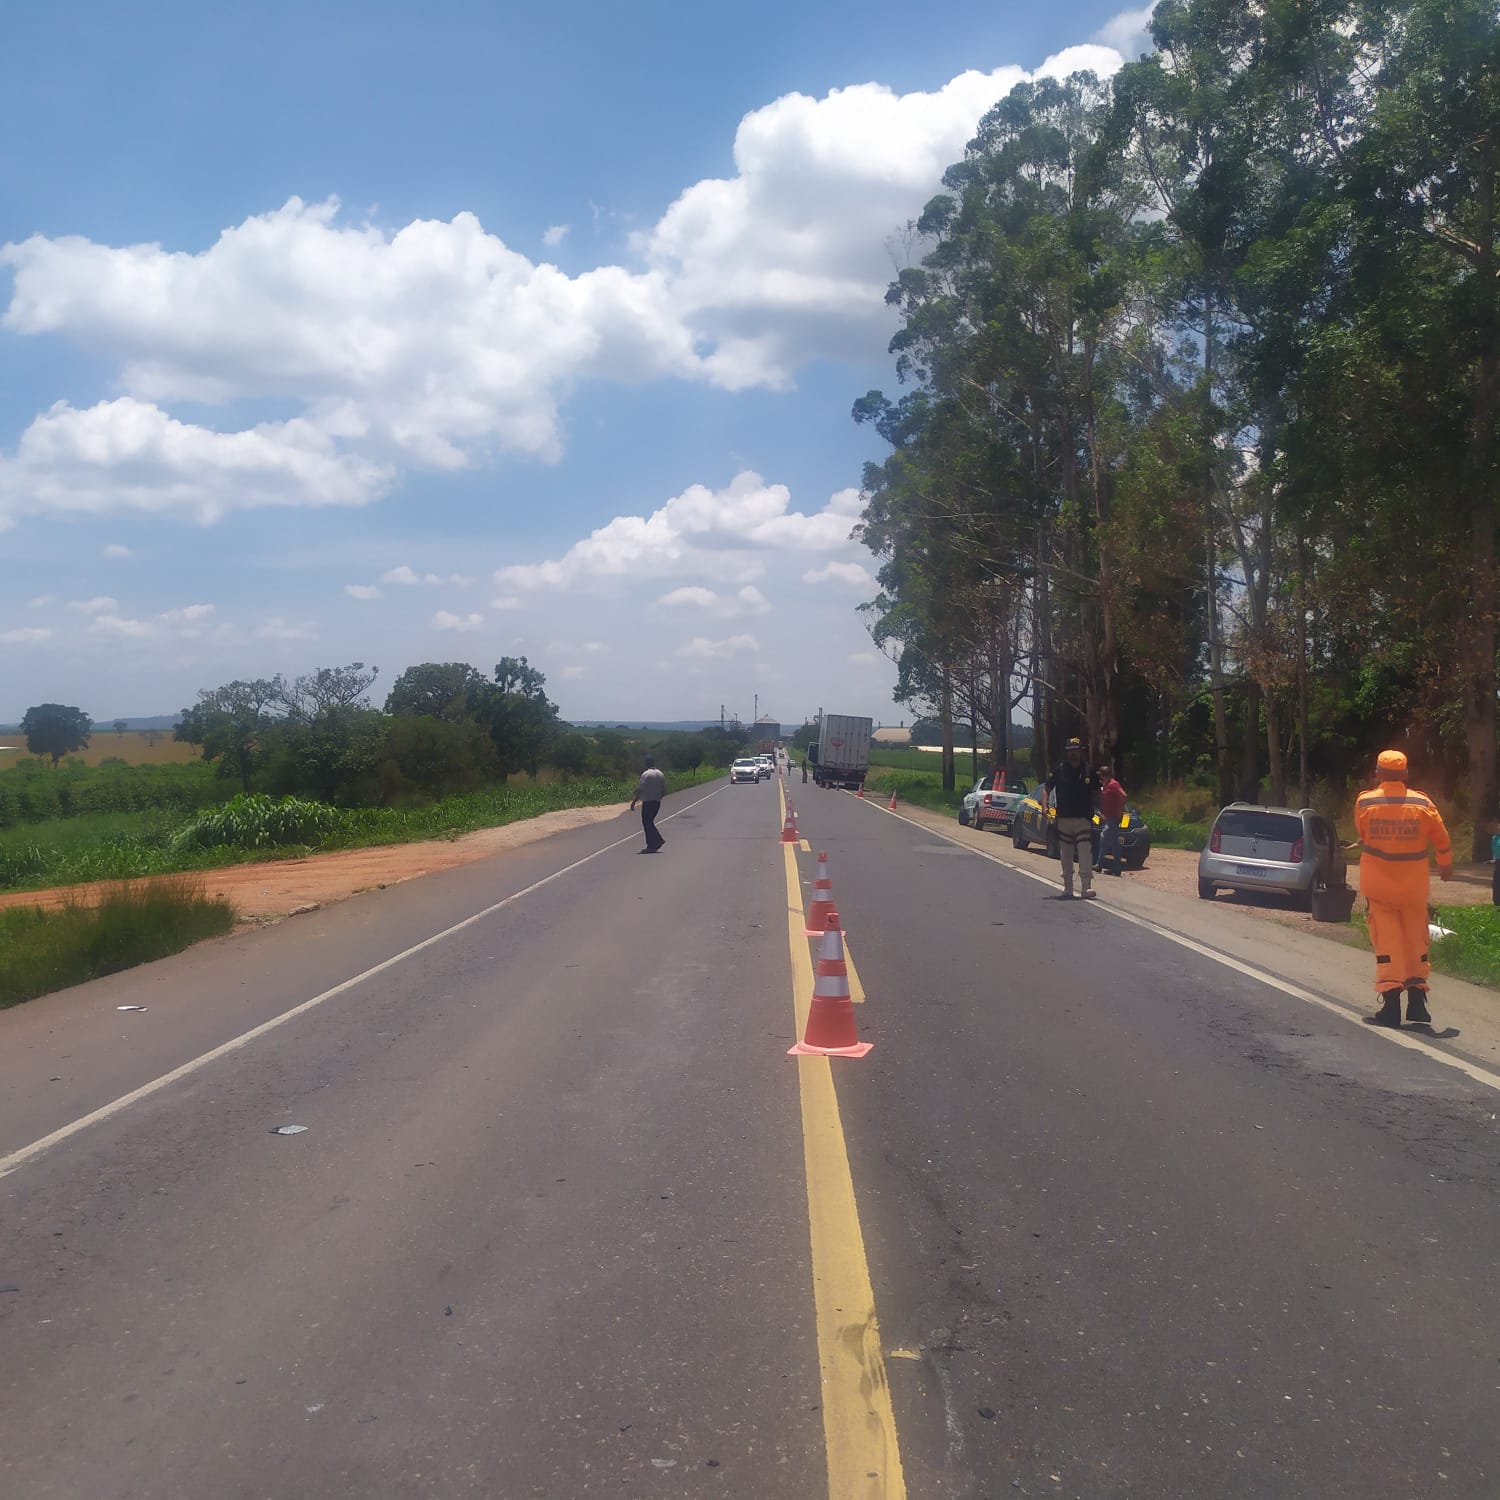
1032	825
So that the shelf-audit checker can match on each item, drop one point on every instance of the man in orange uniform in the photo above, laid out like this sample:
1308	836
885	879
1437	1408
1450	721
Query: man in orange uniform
1396	825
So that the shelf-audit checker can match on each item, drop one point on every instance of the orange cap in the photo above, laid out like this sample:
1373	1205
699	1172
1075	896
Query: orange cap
1391	760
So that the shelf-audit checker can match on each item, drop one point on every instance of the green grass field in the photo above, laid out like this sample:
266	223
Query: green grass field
126	846
134	924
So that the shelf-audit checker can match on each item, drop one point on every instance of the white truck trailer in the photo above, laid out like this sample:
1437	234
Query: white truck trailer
842	755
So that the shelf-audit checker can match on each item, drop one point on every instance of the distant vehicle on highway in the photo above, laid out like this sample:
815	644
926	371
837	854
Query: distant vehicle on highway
1032	825
767	764
986	807
744	770
842	755
1252	848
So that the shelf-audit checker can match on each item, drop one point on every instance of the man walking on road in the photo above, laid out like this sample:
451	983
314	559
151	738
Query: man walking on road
649	791
1073	789
1111	810
1396	825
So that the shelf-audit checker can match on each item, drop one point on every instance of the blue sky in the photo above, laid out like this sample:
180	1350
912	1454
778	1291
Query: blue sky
402	333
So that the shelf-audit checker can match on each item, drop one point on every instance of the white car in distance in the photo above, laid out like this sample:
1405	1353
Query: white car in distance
745	770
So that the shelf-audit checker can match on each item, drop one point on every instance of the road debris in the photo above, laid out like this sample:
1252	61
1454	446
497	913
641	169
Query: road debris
130	1007
289	1130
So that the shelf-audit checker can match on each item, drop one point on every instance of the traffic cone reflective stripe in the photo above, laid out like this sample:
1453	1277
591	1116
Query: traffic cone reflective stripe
831	1031
789	829
822	903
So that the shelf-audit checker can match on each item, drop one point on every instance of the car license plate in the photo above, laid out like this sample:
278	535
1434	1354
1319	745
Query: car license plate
1248	870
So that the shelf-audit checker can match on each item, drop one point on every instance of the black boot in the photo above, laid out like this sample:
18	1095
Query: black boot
1416	1008
1389	1013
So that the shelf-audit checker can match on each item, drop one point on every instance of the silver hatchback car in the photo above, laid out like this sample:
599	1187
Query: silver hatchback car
1293	851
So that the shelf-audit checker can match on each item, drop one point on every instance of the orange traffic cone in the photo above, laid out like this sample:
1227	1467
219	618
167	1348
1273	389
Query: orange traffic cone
822	903
830	1023
861	791
789	829
891	805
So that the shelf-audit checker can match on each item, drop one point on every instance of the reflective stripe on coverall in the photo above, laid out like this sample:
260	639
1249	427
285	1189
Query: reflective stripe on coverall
1396	824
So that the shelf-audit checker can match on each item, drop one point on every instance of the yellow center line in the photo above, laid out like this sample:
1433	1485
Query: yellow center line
859	1425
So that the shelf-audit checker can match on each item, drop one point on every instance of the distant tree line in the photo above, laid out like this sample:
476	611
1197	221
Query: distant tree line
446	728
1200	447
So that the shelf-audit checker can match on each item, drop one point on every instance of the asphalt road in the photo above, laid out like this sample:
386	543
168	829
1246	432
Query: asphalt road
1134	1223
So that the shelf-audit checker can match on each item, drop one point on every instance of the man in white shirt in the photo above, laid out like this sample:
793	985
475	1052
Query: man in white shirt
649	791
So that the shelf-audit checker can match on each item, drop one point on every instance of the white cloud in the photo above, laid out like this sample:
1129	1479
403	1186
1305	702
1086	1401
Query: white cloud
506	601
856	575
363	591
462	624
185	623
864	658
747	601
573	673
722	533
1128	33
40	602
117	549
134	629
788	259
435	344
279	629
555	234
410	578
26	635
100	604
130	455
703	649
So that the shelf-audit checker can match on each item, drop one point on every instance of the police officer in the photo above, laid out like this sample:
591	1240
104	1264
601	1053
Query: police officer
1073	788
1397	825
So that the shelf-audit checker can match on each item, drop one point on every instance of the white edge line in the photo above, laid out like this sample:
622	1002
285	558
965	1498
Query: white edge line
1333	1007
25	1154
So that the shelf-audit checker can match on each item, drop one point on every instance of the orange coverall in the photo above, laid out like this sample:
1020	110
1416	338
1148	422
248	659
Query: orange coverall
1395	825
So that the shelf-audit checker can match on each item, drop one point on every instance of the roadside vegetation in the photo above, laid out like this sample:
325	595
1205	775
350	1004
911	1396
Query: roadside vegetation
286	768
46	950
1473	952
917	777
